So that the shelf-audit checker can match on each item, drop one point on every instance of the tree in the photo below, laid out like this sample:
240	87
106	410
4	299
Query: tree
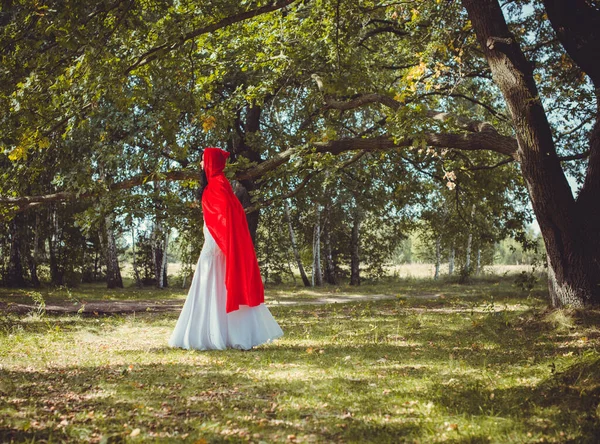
290	88
569	225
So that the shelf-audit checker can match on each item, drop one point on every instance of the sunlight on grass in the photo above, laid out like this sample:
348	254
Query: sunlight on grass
489	366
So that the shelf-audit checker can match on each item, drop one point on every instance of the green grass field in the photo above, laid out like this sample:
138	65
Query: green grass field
435	362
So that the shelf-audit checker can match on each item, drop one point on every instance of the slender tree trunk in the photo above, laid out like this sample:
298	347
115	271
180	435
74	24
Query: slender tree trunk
165	258
158	238
470	242
97	263
330	275
158	253
354	249
438	258
571	239
136	271
33	256
317	276
113	272
56	276
3	255
15	267
451	260
478	269
288	217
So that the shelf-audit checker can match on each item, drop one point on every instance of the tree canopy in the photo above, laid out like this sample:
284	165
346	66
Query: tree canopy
396	106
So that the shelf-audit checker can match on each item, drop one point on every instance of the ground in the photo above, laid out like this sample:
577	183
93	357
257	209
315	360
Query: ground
403	360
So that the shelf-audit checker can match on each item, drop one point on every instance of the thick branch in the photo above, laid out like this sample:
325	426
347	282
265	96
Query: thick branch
483	140
366	99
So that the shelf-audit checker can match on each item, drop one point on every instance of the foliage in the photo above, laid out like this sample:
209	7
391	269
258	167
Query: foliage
104	93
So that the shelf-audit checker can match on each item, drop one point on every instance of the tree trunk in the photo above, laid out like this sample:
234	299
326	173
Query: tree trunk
571	239
240	146
288	217
470	242
242	191
136	271
438	258
113	273
317	276
330	275
468	259
15	267
34	256
158	253
451	260
97	262
478	269
165	258
354	250
56	276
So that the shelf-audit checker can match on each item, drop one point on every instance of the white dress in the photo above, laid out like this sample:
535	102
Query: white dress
204	323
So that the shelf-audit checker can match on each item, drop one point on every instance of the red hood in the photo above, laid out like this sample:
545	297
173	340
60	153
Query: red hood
214	161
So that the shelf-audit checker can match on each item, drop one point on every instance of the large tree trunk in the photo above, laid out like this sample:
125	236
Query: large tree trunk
288	217
15	267
113	272
240	147
354	249
571	241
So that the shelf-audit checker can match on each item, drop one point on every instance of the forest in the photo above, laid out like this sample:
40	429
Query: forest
404	157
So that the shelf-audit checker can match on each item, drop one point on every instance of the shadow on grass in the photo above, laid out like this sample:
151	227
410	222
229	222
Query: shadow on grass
568	399
177	401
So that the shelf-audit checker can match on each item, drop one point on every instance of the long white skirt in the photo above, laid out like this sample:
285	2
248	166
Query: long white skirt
204	323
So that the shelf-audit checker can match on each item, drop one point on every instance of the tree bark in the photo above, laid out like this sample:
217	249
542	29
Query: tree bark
451	260
354	249
570	241
478	267
113	272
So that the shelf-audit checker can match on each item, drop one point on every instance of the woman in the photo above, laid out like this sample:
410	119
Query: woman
225	304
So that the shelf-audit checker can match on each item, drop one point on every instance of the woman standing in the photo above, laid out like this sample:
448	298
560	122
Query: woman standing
225	304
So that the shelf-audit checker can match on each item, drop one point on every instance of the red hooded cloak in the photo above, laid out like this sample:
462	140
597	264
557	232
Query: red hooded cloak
226	221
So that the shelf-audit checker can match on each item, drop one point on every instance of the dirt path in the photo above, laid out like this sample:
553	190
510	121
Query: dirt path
95	308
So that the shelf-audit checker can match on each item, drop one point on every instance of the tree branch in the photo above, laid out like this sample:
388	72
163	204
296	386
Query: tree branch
157	51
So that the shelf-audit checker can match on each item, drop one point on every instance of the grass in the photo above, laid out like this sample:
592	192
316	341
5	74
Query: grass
437	362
